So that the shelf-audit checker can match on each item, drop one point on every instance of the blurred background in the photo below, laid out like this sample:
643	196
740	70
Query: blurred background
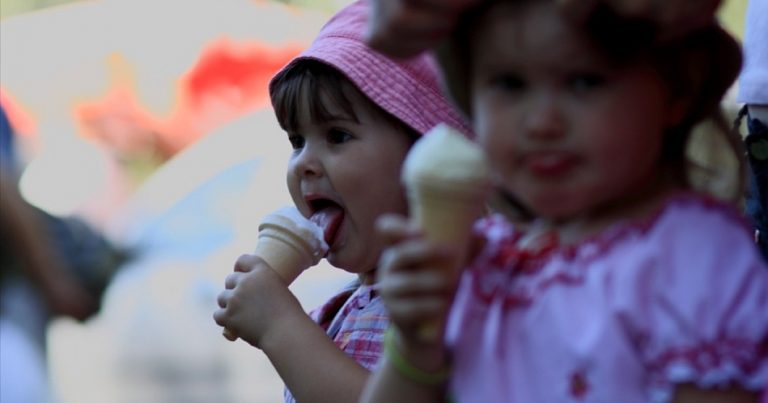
140	134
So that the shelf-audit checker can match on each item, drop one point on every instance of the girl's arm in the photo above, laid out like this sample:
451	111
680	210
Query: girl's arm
28	238
415	291
257	307
415	374
313	368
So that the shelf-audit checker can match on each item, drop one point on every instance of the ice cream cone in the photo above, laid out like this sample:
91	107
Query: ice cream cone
446	215
289	243
447	180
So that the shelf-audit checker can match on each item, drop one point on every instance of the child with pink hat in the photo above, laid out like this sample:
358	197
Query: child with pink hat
638	280
351	115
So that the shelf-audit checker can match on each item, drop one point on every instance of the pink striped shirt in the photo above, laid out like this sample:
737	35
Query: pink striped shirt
355	319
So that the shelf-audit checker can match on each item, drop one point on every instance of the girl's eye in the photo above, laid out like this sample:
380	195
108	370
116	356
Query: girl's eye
338	136
297	142
508	82
582	82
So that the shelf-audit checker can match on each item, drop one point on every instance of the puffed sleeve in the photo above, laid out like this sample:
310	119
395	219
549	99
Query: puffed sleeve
696	306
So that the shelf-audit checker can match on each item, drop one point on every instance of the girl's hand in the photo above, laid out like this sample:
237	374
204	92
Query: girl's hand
255	302
414	285
674	17
404	28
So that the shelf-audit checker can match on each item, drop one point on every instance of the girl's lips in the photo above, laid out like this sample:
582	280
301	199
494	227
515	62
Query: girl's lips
548	164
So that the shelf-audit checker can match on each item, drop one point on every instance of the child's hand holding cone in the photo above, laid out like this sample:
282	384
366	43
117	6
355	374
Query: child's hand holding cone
447	180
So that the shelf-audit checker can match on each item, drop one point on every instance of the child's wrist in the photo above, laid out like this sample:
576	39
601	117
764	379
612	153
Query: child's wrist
275	336
422	364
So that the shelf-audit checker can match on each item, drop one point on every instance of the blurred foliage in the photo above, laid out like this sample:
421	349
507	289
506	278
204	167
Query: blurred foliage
13	7
732	16
10	8
324	5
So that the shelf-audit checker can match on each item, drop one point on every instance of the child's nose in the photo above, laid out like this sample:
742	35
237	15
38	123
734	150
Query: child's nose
307	163
545	118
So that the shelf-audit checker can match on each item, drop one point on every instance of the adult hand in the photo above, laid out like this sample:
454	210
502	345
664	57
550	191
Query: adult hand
255	302
404	28
673	17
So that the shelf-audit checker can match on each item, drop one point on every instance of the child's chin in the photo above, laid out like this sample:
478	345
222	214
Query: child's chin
552	208
341	262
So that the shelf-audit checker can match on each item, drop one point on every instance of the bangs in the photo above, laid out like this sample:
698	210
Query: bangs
314	85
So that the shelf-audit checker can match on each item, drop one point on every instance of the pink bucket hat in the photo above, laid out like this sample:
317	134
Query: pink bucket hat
409	90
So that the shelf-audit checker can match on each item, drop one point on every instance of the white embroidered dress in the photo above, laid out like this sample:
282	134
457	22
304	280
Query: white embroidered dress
622	317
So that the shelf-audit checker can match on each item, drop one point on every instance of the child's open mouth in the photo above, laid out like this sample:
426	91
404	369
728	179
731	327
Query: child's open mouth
328	215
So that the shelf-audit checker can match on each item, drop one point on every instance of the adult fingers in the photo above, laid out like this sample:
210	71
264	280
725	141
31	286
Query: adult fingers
403	28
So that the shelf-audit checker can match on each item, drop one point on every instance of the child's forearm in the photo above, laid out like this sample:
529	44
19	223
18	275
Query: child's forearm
409	372
313	368
387	385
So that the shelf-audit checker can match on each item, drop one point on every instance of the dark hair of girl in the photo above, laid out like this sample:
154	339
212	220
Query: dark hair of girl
699	67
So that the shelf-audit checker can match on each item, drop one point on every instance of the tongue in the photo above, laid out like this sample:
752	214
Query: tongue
328	219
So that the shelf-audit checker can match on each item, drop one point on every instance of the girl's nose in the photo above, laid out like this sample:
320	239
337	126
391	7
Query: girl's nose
545	118
306	163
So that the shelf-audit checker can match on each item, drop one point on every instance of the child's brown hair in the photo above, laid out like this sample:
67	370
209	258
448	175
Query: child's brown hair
323	82
698	67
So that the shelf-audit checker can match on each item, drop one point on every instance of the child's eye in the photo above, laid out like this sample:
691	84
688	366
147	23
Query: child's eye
297	142
508	82
581	82
338	136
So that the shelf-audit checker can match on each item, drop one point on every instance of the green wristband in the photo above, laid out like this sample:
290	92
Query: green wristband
408	370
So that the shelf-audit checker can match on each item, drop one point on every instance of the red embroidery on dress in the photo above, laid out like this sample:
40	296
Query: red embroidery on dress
508	263
578	385
746	355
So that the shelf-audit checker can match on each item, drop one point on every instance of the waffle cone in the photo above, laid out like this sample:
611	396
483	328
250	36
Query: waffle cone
284	252
446	213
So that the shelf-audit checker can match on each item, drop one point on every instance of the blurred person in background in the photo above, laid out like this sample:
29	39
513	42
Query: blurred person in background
753	91
49	267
